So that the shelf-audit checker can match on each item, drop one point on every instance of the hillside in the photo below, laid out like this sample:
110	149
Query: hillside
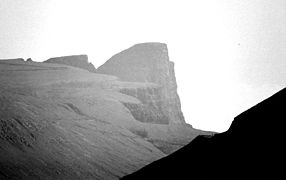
252	148
79	61
63	122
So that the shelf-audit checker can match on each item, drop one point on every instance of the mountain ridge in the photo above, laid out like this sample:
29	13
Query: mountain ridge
63	122
148	62
242	152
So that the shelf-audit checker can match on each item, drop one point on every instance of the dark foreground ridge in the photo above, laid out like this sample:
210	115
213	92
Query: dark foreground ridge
251	149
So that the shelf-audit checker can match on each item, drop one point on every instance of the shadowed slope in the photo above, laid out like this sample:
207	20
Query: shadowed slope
252	148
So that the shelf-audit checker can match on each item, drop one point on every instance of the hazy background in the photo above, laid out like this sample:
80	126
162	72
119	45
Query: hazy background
228	54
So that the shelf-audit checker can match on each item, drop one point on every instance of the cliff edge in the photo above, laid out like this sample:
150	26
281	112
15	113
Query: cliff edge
148	63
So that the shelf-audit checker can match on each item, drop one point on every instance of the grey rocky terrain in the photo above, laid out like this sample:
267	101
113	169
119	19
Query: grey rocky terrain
62	121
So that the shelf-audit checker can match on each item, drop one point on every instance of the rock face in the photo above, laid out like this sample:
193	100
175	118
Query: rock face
252	148
150	109
61	122
148	63
79	61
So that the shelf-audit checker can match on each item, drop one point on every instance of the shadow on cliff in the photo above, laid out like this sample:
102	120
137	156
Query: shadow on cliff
252	148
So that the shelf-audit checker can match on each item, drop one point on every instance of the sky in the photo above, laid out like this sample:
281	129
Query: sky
229	55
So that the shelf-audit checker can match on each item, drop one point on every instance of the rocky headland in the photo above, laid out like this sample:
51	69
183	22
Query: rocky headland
60	120
148	63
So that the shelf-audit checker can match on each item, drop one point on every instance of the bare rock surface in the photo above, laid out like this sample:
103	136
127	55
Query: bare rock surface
148	63
63	122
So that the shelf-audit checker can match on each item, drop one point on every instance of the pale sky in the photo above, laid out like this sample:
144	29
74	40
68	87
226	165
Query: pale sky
228	54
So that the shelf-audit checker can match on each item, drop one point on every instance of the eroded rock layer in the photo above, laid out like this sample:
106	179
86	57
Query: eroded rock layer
149	63
60	122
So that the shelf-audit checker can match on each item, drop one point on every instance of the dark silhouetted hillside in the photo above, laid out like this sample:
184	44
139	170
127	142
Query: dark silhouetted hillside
252	148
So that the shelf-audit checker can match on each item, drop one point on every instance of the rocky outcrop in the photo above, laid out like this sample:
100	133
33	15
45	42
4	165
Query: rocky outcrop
29	60
148	63
252	148
66	123
150	109
79	61
58	122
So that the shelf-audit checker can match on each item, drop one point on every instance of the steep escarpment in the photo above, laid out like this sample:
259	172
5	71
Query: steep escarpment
150	109
60	122
148	63
79	61
252	148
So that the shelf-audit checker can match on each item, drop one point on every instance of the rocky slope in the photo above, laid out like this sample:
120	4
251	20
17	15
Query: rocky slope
253	148
63	122
79	61
148	63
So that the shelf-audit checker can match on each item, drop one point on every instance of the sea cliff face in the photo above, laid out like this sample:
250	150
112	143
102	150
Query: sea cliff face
148	63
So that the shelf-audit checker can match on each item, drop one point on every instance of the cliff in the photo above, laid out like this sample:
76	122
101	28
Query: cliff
79	61
61	122
148	63
252	148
